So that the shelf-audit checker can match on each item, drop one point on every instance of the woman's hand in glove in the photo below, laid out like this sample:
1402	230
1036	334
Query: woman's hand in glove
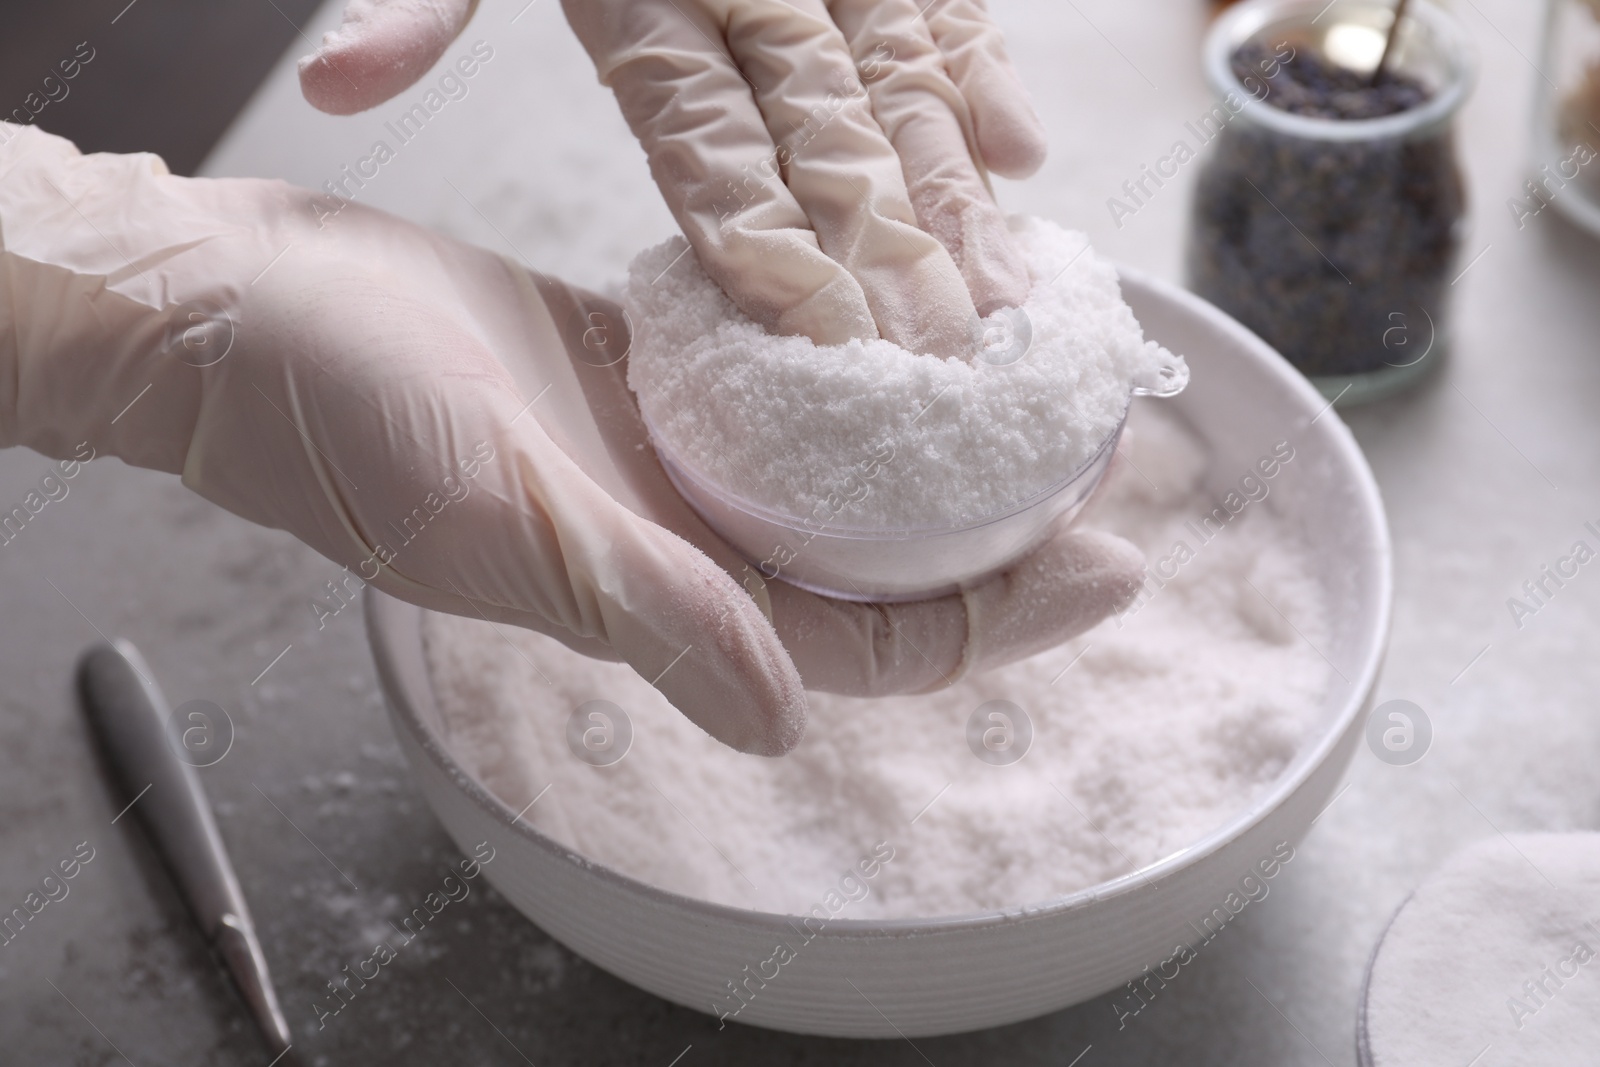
455	430
827	159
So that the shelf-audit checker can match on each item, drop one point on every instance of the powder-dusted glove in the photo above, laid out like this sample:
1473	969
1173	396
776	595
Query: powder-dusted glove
380	48
800	145
453	429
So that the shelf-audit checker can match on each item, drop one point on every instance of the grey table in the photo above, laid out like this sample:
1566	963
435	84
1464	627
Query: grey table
1489	472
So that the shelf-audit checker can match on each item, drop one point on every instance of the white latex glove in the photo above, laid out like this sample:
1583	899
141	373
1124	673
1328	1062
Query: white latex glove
799	143
435	418
382	47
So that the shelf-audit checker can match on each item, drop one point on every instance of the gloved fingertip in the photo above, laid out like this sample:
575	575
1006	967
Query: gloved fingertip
1105	564
1072	583
1011	137
1013	142
328	89
758	709
733	678
379	50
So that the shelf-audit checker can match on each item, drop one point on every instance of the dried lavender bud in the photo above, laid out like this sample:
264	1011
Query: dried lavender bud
1310	84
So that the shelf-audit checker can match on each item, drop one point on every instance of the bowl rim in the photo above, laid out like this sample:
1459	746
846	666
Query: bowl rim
1307	760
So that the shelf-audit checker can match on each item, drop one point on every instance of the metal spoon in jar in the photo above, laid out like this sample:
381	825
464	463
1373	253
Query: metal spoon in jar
1388	44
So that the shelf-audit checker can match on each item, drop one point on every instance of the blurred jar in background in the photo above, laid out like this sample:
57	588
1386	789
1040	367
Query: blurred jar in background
1328	216
1566	144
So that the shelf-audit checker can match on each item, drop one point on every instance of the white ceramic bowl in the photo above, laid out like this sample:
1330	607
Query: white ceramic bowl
883	978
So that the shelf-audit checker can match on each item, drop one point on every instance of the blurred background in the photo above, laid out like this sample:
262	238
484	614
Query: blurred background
179	72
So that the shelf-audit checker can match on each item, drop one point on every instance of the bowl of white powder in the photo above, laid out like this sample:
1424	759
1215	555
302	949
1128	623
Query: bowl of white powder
868	472
1020	841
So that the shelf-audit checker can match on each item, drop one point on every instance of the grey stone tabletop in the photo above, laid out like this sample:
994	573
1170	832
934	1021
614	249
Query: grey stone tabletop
1490	471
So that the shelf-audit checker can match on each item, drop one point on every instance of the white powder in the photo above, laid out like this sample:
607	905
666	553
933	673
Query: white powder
1493	961
1166	726
775	419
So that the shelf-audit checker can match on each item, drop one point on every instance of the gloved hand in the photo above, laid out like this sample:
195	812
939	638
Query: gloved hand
455	430
799	143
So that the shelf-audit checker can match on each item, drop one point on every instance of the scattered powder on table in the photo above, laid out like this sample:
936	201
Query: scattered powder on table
1174	718
773	419
1493	961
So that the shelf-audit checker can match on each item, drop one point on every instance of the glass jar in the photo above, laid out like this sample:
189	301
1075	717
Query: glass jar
1566	146
1335	239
